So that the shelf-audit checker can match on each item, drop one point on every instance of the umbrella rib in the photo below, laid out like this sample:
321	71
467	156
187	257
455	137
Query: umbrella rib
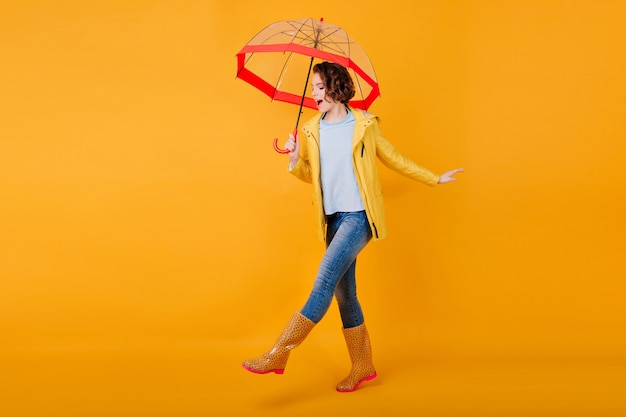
356	77
280	74
330	33
358	85
313	29
333	46
333	42
270	36
294	25
282	71
298	30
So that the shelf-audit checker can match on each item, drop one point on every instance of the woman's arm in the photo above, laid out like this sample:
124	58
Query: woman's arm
298	159
393	159
399	163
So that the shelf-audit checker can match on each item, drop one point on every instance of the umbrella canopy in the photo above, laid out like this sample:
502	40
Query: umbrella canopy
279	58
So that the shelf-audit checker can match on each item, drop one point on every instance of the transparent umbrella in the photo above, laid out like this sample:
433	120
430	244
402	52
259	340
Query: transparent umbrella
278	62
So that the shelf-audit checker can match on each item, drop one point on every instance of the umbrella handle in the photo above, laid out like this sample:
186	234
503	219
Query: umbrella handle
283	151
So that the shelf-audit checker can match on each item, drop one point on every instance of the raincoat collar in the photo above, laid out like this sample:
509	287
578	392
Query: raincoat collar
362	121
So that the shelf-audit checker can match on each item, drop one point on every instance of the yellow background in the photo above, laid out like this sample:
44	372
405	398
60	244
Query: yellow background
151	239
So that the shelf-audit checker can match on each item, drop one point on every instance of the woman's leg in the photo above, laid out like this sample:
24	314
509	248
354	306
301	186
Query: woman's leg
345	293
347	235
355	333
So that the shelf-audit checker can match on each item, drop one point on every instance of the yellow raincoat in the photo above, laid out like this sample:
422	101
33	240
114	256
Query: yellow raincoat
367	144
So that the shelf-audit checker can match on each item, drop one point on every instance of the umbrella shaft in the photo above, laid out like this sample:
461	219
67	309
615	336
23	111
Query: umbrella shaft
308	74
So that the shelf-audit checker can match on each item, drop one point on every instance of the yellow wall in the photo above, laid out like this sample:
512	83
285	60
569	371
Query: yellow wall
141	202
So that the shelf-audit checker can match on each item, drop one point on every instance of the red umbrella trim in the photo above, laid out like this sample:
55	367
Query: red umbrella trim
253	79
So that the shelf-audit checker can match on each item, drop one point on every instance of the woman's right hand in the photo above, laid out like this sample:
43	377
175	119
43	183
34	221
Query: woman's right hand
293	146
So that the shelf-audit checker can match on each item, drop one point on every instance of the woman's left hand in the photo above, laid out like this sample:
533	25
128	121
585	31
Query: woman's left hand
449	176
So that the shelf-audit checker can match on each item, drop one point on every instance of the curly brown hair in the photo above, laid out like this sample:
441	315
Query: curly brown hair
337	81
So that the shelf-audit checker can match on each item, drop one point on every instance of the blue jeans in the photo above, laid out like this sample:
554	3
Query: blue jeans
346	235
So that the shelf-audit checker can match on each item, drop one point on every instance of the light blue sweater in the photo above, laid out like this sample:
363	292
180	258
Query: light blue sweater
340	190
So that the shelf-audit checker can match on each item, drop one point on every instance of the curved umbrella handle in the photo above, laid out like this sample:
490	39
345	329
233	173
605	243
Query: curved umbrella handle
283	151
277	149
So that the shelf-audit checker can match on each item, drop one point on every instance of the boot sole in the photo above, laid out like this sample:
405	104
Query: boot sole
367	378
254	371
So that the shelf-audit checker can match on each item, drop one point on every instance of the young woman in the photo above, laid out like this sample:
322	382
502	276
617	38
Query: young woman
338	157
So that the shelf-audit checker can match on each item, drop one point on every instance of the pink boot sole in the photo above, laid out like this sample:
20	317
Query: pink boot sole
367	378
254	371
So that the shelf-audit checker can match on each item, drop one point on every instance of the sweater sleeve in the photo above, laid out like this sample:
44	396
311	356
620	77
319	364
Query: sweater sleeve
393	159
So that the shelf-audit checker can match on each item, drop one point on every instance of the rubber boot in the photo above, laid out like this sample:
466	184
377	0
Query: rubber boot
360	351
275	359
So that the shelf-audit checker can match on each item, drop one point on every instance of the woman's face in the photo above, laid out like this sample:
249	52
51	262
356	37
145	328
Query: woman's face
319	94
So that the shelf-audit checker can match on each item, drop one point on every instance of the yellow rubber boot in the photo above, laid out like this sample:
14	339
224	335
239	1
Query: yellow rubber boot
275	359
360	351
